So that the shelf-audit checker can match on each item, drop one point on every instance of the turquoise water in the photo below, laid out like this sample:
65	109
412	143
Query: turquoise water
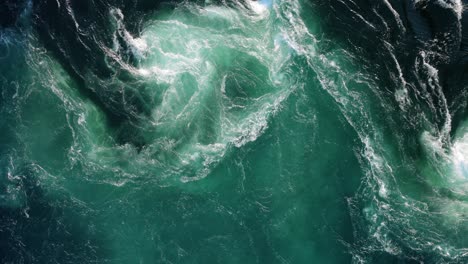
233	132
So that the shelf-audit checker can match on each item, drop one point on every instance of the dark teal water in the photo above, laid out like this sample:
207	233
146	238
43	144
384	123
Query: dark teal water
264	131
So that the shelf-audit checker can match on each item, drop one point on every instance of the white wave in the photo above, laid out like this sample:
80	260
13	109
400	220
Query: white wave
459	153
137	46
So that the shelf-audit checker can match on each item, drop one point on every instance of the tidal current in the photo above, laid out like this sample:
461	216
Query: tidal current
219	131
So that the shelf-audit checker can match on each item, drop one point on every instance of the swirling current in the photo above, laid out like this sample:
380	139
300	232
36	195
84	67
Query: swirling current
219	131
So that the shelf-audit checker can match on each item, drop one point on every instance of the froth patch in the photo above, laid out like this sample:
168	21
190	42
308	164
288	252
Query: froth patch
460	157
260	7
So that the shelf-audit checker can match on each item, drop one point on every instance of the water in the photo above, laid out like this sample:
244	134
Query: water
233	132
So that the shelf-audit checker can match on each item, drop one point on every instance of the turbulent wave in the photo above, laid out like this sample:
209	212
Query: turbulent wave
233	131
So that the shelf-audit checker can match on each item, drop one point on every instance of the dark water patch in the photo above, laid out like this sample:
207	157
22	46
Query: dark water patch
47	230
10	10
418	23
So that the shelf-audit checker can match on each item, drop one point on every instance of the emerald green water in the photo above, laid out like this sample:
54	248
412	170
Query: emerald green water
225	133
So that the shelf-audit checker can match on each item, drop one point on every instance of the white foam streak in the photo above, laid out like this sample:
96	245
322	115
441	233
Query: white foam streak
460	157
396	15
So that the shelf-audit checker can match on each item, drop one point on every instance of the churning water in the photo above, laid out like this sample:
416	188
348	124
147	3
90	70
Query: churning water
269	131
